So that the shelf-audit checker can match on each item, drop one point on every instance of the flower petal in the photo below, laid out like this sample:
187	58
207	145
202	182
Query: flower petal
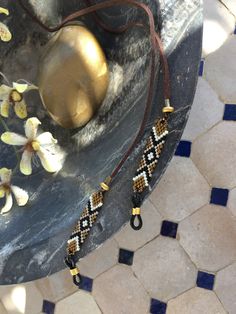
5	175
31	87
8	205
4	11
20	109
12	138
2	192
5	91
50	162
25	163
21	195
23	87
5	108
31	127
46	138
5	34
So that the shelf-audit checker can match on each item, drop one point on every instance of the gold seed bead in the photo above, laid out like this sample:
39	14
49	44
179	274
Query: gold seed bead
74	271
104	186
167	108
136	211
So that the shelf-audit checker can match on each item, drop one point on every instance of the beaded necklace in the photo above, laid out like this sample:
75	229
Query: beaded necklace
155	141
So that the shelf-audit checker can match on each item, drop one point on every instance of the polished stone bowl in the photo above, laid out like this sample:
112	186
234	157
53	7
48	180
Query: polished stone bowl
33	238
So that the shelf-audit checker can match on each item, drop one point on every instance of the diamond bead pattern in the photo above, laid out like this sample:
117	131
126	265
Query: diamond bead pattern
149	160
83	226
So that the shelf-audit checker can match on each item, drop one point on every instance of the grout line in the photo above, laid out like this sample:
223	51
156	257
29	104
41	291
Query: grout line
202	175
219	300
228	9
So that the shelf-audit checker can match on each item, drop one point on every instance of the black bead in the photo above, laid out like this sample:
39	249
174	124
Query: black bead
137	199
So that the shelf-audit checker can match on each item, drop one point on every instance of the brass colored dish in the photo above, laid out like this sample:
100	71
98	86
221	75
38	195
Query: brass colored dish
73	77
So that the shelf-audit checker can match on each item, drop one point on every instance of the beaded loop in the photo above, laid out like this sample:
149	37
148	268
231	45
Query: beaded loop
132	222
73	270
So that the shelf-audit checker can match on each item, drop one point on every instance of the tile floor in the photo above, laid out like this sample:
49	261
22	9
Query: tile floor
183	261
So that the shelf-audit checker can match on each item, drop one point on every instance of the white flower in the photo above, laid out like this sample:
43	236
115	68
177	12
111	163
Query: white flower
5	34
7	189
44	145
14	95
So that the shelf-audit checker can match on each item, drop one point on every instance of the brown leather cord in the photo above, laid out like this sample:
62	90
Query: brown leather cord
155	43
158	42
166	79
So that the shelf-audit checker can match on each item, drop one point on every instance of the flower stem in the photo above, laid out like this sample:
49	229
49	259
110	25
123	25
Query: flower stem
5	78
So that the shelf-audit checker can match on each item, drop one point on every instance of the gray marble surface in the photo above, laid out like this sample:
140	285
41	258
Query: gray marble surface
33	238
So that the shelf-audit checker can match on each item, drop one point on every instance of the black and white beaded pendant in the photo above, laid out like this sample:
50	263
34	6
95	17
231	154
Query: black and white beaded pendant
149	160
147	165
85	223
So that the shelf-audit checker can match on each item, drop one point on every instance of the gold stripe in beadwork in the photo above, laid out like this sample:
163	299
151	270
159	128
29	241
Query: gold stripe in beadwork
74	271
136	211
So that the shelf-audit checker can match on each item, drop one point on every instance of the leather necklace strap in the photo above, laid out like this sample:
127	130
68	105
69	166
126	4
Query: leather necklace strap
155	141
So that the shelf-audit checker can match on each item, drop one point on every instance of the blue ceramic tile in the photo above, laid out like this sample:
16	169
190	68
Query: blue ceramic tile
205	280
86	283
126	257
219	196
230	112
157	307
169	229
183	149
48	307
201	67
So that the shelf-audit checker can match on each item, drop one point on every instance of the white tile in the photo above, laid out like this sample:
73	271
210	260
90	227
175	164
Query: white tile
231	204
21	298
118	291
78	303
206	111
225	287
220	70
181	191
214	154
195	301
218	25
231	5
2	309
208	236
57	286
164	268
100	259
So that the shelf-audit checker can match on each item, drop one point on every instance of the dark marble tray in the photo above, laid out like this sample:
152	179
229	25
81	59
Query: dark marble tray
33	238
